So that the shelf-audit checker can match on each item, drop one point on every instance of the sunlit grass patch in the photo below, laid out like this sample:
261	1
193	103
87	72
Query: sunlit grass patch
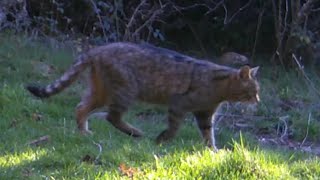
9	160
306	169
240	163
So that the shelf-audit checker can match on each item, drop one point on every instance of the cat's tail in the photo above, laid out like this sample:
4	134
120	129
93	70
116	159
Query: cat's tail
81	63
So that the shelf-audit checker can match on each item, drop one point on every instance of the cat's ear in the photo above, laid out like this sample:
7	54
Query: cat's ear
254	71
244	72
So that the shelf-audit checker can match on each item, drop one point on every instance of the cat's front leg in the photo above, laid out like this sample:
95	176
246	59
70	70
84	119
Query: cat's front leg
175	118
205	122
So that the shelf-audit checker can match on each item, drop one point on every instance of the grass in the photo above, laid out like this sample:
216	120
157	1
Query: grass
109	154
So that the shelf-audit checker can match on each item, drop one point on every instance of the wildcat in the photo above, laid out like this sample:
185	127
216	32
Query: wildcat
122	73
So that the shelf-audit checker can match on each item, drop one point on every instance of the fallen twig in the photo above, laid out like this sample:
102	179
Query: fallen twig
38	141
100	151
236	13
245	116
135	14
305	75
257	31
305	137
285	132
100	20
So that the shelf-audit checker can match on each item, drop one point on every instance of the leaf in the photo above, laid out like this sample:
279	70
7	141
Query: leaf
161	37
127	171
307	40
13	123
157	34
36	117
89	159
60	10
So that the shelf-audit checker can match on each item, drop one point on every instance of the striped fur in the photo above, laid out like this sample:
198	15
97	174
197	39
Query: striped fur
123	73
64	81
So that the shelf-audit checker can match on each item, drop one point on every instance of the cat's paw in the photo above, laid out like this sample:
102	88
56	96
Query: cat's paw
212	147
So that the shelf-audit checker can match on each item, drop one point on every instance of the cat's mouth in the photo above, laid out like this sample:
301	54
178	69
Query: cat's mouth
250	99
255	99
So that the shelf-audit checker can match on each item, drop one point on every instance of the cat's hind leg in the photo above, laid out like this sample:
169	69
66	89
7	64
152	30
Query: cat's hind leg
176	114
83	110
114	116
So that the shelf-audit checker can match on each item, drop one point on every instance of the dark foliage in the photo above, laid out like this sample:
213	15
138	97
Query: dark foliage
278	27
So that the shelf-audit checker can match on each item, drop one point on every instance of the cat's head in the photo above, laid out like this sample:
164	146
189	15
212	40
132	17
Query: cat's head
244	86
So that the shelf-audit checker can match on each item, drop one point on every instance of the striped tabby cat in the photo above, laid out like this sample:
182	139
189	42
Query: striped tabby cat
122	73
